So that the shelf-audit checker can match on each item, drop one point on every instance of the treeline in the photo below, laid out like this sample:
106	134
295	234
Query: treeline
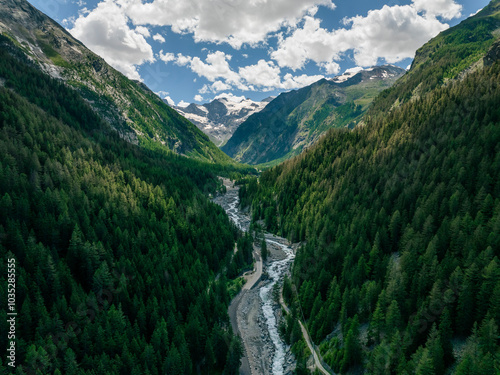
117	249
401	223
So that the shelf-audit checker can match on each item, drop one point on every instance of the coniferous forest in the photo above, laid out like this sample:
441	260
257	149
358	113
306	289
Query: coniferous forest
400	222
117	248
124	265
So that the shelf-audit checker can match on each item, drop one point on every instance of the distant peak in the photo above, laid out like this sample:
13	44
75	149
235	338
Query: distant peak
378	71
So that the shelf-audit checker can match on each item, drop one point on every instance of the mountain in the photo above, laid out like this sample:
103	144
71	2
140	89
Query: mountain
118	257
113	244
295	120
220	118
130	107
399	220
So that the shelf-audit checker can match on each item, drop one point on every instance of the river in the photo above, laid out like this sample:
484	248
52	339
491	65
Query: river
254	312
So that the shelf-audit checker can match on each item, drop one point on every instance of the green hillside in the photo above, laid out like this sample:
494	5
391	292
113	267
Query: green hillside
399	272
116	247
134	111
295	120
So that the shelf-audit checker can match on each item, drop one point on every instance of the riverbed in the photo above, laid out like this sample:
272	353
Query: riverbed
254	313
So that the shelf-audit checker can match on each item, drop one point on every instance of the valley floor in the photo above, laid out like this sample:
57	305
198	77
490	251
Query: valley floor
246	312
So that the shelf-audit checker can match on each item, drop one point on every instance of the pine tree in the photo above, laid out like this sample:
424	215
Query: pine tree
263	250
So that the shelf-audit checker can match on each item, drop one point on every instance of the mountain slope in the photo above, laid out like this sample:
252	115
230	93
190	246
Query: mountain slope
114	245
400	270
448	56
295	120
220	118
134	111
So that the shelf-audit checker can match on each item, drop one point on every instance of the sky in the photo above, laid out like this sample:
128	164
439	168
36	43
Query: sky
197	50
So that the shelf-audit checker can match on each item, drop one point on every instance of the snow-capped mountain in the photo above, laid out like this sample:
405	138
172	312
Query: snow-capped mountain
373	73
220	118
295	120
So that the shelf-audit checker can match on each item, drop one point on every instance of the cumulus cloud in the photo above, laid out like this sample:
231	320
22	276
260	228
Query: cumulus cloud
230	97
447	9
235	22
215	66
476	12
354	70
159	38
198	98
330	67
291	82
166	57
263	74
310	42
169	101
143	31
183	104
217	86
105	31
391	33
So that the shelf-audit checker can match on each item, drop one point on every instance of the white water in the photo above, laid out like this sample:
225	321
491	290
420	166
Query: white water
276	271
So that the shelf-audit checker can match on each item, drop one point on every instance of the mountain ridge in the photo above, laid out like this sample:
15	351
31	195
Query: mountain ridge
132	109
220	118
296	119
400	219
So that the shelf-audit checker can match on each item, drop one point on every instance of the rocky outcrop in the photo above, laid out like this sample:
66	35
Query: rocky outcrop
220	118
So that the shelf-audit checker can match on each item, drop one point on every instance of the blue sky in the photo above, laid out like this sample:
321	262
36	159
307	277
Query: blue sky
196	50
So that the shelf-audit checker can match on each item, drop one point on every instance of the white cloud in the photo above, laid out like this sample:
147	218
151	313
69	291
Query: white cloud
230	97
183	104
391	33
310	42
162	94
215	69
143	31
169	101
219	86
236	22
215	66
105	31
290	82
182	60
68	22
353	71
159	38
262	74
477	11
198	98
167	57
447	9
330	67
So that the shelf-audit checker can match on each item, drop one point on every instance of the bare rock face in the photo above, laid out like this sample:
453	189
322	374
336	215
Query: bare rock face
220	118
493	54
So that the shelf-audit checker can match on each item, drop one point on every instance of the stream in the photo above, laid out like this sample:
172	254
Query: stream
279	262
276	271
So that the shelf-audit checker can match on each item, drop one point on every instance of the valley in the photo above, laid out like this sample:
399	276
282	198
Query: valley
254	311
362	237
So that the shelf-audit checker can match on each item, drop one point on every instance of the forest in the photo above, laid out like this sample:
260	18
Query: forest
120	256
399	220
